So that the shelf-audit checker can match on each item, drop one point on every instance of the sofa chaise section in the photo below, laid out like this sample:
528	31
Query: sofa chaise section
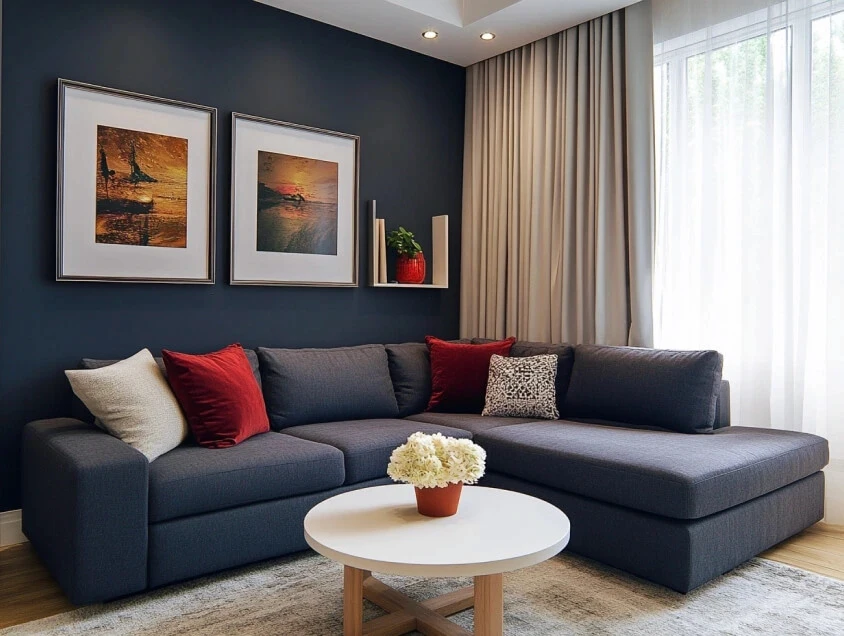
664	473
672	493
679	554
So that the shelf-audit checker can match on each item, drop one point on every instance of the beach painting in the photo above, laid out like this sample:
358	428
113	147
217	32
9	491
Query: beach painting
297	204
142	182
294	204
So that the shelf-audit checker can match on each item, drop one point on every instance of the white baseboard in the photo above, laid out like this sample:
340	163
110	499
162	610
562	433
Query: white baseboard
10	528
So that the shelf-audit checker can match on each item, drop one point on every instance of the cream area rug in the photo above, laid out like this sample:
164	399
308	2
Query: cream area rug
301	596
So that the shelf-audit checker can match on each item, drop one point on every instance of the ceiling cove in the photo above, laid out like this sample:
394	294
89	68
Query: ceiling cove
458	23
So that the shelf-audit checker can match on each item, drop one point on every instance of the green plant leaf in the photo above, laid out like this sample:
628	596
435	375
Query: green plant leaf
403	242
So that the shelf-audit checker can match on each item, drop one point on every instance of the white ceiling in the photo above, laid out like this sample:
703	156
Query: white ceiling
458	22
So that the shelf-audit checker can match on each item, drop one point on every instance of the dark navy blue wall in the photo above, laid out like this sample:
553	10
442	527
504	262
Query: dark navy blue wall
236	55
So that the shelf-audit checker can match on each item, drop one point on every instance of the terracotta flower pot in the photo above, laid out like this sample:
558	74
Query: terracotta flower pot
410	270
439	502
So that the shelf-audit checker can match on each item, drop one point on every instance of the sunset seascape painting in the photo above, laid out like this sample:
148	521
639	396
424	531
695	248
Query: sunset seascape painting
142	181
297	204
294	204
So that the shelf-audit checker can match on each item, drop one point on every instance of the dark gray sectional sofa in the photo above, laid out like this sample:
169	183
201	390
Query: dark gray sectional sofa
677	508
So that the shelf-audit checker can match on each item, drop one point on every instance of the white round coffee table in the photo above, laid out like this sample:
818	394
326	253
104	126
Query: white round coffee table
378	529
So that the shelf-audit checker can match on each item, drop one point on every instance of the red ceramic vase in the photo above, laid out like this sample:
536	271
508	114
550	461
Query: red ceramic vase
439	502
410	270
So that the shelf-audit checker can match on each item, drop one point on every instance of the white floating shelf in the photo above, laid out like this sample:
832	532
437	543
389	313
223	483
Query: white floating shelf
424	285
437	263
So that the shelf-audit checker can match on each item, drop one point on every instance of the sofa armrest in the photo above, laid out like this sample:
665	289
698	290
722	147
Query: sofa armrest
84	497
722	406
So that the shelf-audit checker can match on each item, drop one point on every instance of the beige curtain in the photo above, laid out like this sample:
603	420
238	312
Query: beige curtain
558	187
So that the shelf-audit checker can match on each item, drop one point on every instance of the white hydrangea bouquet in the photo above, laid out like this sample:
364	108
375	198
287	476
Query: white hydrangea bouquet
437	466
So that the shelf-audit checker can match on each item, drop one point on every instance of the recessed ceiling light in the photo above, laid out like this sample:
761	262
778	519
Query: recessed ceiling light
430	35
487	36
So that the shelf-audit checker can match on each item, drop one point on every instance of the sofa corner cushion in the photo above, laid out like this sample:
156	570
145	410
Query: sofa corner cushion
674	390
410	371
368	444
661	472
192	480
305	386
565	360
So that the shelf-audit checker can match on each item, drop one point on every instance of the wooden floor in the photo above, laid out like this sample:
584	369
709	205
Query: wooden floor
818	549
27	592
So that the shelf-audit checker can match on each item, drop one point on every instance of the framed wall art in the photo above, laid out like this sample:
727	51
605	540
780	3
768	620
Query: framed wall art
294	204
136	187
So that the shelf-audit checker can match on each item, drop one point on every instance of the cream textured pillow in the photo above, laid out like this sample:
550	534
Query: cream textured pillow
522	387
133	402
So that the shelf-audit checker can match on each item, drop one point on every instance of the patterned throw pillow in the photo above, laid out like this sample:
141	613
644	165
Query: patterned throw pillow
522	387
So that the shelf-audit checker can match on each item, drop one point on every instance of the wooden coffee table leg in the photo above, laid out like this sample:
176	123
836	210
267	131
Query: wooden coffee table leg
489	605
405	614
353	601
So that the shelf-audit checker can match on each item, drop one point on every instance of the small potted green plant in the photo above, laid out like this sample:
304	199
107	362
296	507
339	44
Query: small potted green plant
410	264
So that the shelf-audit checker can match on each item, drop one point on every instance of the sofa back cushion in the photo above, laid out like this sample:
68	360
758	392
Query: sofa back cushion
307	386
410	370
675	390
565	361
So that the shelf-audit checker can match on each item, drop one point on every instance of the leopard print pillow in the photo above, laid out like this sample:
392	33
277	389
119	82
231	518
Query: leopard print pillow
522	387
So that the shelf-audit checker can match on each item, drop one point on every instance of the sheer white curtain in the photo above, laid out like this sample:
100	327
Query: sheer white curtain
749	252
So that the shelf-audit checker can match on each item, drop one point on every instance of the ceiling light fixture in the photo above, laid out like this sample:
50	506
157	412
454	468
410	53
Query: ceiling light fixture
430	35
487	36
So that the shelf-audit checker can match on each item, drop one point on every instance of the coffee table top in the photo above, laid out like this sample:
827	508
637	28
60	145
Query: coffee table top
379	529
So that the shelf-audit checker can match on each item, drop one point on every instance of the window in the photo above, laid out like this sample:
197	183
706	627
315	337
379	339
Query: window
749	246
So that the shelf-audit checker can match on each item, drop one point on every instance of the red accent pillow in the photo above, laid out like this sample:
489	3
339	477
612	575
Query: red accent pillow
218	392
459	373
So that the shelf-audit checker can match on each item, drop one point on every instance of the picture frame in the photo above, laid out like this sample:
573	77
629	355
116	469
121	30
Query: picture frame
295	198
136	187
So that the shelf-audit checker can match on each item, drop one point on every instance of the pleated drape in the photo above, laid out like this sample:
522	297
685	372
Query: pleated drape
556	236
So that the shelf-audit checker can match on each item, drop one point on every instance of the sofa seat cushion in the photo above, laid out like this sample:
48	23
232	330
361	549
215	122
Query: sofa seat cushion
191	480
368	444
469	421
665	473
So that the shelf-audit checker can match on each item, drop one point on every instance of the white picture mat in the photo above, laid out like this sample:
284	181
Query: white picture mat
82	256
250	265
